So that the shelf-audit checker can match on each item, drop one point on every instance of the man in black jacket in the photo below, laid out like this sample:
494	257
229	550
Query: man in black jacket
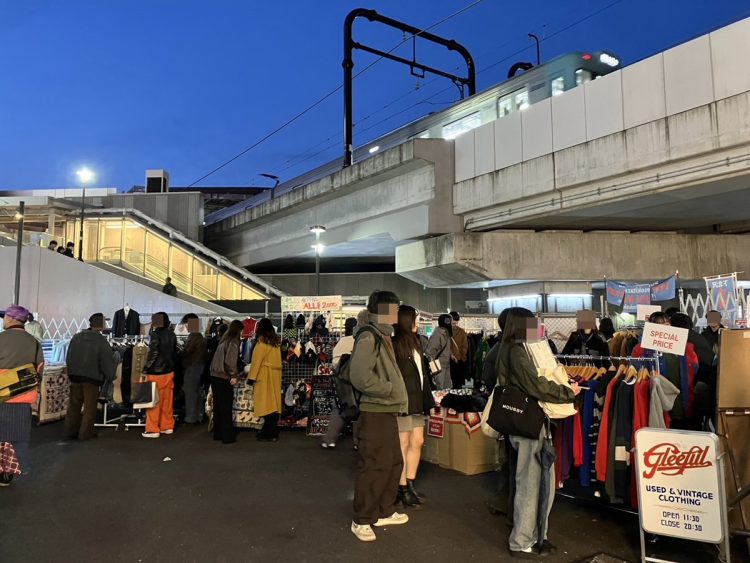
159	368
90	363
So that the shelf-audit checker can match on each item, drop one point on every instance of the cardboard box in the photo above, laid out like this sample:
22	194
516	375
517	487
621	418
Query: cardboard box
469	454
436	450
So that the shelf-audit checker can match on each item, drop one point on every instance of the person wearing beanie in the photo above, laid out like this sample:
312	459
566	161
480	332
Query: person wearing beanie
439	348
90	364
17	348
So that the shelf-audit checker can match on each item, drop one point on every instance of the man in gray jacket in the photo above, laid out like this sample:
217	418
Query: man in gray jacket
90	363
373	371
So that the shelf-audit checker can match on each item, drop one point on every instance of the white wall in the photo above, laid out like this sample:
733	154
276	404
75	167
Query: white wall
58	287
699	72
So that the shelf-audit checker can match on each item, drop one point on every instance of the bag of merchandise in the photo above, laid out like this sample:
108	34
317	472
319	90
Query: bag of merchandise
16	381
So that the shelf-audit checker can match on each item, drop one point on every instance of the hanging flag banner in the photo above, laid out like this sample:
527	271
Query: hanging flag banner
664	290
630	295
615	292
636	294
723	296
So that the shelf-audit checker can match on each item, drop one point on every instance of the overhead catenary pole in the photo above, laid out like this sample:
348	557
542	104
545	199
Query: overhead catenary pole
19	250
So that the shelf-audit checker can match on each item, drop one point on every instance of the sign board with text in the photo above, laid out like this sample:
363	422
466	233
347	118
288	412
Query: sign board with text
312	303
665	339
680	486
644	311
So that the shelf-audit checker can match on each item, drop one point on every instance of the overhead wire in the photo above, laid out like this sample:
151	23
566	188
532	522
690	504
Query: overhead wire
332	92
439	92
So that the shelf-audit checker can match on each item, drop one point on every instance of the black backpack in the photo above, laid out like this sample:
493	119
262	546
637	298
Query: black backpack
347	397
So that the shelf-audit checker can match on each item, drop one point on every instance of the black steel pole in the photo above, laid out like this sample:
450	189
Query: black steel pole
80	233
19	250
538	50
348	65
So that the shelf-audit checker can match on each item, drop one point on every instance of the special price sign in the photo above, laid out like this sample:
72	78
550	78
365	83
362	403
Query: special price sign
663	338
679	490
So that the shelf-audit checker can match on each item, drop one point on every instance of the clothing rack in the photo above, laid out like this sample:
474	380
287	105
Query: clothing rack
620	358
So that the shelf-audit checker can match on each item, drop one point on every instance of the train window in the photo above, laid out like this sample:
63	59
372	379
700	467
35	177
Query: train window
504	106
453	130
583	76
558	86
521	100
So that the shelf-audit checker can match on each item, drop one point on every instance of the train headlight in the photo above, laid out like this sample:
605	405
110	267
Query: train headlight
609	60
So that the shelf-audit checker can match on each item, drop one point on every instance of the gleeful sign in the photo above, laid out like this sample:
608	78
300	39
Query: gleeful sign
679	484
663	338
312	304
668	459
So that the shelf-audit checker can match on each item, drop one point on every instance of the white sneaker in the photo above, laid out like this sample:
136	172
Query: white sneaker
150	434
393	520
167	431
363	532
327	446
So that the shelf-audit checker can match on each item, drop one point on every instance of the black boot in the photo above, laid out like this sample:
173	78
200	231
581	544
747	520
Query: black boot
407	498
419	496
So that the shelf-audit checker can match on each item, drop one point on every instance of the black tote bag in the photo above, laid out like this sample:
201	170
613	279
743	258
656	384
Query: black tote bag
514	413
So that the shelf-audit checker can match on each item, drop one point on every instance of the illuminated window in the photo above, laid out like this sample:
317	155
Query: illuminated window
229	289
583	76
181	264
558	86
204	280
504	106
157	257
453	130
110	241
521	100
134	246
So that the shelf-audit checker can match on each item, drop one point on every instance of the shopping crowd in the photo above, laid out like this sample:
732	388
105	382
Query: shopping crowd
391	368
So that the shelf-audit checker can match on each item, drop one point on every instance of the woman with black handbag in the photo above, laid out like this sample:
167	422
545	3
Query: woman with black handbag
521	376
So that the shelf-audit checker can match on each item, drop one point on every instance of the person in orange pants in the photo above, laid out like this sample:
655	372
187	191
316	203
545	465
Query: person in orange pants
159	368
160	419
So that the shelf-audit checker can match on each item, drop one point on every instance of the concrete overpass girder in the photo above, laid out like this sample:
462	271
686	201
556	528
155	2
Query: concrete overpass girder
465	259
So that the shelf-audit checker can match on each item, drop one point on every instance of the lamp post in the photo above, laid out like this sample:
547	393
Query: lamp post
317	230
85	176
19	249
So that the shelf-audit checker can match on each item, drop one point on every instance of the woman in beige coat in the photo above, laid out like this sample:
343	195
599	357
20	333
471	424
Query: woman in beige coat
265	373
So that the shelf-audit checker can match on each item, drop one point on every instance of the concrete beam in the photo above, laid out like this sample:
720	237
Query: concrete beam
539	288
471	258
671	155
366	209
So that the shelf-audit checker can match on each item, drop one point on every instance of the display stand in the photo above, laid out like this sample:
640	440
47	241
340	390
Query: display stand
733	421
322	400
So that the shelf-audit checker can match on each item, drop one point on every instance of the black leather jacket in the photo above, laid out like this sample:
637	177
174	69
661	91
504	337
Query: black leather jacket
162	352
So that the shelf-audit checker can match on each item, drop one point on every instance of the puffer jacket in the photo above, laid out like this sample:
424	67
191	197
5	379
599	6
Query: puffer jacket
373	371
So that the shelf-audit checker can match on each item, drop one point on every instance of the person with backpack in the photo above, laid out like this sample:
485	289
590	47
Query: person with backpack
343	348
373	372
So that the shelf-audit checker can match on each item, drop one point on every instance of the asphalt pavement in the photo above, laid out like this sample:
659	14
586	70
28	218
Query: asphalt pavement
186	498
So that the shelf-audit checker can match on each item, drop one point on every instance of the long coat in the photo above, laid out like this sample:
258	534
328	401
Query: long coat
265	370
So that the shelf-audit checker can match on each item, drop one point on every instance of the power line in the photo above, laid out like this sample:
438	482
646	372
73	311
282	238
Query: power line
436	94
331	93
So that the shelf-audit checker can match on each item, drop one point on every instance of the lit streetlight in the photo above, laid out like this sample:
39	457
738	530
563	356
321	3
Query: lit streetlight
85	176
318	247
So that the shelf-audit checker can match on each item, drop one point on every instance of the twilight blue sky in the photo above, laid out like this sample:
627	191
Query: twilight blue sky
125	85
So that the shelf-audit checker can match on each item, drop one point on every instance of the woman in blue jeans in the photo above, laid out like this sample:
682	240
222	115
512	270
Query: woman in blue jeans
517	369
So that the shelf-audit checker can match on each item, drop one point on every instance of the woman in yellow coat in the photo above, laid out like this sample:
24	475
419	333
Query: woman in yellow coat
265	373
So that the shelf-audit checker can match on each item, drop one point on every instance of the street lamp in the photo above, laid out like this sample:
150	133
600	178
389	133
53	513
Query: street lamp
85	176
317	230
